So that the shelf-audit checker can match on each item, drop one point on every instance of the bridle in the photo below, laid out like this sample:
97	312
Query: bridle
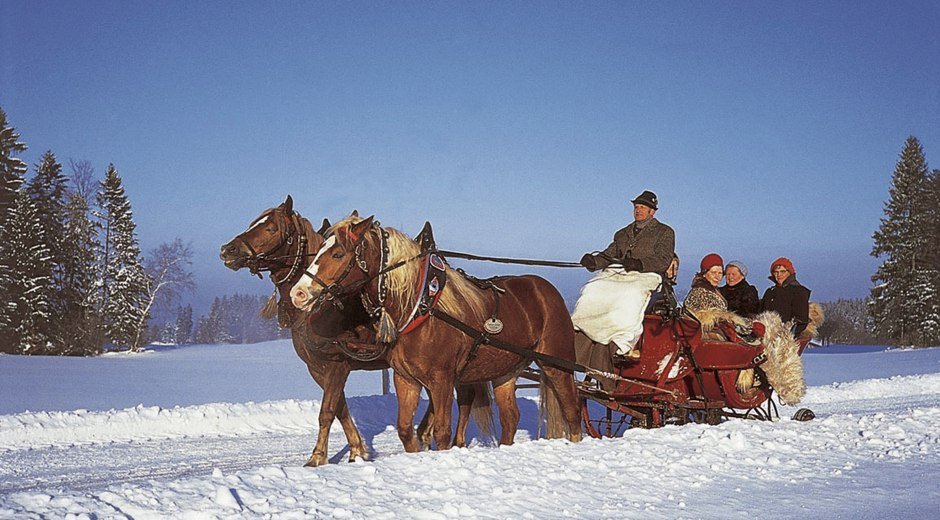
335	291
261	262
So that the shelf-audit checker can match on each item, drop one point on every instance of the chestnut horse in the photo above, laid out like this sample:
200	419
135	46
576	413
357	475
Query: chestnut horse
281	242
435	354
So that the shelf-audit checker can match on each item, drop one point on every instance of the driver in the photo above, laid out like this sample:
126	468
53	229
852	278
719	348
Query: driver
646	245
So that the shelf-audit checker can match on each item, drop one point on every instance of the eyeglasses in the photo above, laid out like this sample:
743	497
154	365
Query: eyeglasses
781	270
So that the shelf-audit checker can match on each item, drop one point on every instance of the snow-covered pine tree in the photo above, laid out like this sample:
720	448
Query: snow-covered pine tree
12	169
123	280
30	285
80	271
184	325
48	190
904	299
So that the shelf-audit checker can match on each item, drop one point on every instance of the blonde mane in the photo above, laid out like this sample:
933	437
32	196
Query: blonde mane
459	297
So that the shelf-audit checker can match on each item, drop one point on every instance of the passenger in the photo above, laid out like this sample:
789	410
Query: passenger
705	294
704	299
646	245
741	296
787	297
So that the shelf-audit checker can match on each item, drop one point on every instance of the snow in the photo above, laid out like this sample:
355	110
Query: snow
222	431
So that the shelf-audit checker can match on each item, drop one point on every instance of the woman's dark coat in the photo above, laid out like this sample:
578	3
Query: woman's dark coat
742	298
790	300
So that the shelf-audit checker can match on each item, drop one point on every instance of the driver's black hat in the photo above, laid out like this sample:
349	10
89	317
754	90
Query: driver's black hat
648	199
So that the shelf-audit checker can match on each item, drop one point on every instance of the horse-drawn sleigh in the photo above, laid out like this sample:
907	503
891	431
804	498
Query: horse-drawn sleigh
370	289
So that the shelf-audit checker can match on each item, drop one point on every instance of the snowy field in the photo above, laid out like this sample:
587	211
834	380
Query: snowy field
223	431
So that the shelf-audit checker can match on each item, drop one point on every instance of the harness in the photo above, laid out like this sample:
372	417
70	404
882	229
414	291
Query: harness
255	259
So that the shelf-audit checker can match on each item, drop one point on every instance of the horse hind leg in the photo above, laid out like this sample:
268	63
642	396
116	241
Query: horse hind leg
505	395
558	398
357	445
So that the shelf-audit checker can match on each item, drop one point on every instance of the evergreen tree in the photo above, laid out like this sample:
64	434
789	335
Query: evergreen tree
79	275
123	281
28	283
12	169
904	301
184	325
47	189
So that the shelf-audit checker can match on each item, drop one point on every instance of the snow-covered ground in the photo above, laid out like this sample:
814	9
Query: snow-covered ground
223	431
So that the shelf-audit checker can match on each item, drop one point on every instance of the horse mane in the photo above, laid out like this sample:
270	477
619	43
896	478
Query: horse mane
459	296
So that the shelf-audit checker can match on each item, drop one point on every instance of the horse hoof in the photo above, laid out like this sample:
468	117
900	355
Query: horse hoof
315	461
365	457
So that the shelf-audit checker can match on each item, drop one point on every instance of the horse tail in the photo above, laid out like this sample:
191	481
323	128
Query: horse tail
481	410
550	411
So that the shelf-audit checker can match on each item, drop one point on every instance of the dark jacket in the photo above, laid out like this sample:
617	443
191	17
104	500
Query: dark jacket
790	300
742	298
653	245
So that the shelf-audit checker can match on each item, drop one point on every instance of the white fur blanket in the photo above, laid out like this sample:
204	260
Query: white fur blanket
611	307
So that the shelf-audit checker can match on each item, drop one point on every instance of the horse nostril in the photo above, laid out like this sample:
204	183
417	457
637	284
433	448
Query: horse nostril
300	295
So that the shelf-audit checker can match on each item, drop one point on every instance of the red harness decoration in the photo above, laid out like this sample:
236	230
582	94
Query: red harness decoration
433	279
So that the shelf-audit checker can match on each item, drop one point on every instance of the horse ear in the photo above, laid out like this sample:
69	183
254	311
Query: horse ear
324	227
352	233
355	213
288	204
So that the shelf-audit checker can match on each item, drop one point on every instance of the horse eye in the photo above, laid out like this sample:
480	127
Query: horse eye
339	254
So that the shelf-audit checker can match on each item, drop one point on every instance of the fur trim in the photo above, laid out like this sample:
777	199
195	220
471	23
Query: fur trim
784	368
816	319
711	316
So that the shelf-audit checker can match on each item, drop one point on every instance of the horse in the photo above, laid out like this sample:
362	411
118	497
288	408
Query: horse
437	355
278	241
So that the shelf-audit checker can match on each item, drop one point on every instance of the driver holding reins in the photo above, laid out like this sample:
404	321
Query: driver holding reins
646	245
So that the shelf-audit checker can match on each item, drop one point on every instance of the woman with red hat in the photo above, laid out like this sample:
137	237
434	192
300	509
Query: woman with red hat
705	293
787	297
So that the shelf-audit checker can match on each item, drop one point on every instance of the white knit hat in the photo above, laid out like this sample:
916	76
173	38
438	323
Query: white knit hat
740	265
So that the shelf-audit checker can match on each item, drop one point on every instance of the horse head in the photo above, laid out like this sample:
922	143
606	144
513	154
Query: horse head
339	263
268	242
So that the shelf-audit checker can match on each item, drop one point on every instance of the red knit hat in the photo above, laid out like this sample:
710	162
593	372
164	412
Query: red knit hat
783	262
711	260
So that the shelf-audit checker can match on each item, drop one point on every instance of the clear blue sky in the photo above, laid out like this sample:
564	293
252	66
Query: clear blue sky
517	128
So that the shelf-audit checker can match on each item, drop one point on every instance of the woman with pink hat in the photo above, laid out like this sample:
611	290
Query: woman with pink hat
787	297
705	293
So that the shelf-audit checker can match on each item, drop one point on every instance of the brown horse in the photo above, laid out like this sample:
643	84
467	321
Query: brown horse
281	242
436	355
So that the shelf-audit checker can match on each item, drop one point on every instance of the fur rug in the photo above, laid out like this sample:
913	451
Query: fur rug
784	367
611	305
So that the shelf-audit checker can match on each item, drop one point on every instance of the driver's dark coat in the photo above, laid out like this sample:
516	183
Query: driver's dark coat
653	245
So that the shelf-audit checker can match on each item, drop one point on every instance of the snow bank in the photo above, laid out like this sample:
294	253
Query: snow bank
43	429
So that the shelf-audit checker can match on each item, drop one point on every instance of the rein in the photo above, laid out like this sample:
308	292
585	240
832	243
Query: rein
521	261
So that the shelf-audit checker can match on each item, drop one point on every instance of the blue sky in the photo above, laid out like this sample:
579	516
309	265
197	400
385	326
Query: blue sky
517	128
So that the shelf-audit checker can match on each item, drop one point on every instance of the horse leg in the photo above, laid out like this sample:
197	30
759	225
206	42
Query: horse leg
561	398
465	396
357	445
409	393
332	379
442	397
505	395
426	427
